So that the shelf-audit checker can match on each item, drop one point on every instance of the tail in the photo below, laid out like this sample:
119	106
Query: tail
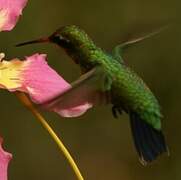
149	142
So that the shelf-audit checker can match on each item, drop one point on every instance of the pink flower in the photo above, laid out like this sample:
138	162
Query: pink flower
10	10
32	76
41	82
5	157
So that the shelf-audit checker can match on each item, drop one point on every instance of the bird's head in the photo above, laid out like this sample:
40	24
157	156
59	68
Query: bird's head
66	37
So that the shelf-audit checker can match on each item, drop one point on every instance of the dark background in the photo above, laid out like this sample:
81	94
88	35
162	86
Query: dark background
101	145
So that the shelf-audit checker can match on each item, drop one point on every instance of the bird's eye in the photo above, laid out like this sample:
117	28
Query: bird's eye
62	39
58	39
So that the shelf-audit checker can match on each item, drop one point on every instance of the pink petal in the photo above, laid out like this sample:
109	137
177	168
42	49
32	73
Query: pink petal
72	112
42	83
10	10
5	157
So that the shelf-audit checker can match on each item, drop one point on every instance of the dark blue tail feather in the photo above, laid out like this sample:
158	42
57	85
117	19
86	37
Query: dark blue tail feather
149	142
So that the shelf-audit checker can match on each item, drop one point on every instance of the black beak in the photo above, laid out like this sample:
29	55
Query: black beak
41	40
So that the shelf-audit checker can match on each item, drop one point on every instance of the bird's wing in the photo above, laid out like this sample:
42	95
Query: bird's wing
92	88
118	50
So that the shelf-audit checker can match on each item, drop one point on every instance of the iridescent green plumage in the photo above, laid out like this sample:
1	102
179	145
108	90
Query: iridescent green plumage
127	89
107	79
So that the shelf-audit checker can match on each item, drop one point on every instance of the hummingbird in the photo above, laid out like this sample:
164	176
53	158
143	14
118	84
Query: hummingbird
106	79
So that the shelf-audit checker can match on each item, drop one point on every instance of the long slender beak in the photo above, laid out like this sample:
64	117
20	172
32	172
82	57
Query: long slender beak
41	40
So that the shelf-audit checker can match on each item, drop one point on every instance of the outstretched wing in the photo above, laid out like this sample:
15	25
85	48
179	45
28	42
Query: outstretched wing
90	89
117	51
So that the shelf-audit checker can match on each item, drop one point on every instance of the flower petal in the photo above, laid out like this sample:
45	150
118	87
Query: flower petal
5	157
41	82
10	10
10	74
72	112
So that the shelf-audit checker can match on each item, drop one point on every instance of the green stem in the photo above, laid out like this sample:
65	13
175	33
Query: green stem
27	103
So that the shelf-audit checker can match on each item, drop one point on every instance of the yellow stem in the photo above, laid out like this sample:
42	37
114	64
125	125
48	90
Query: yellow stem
27	103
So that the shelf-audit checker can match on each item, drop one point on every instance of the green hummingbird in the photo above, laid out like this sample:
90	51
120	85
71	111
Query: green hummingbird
107	79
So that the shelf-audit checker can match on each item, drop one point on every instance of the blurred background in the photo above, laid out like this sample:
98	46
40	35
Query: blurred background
101	145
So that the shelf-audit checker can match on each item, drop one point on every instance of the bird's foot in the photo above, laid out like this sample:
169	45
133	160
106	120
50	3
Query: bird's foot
116	110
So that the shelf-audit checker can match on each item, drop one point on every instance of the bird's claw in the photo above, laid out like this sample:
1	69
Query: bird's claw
116	110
